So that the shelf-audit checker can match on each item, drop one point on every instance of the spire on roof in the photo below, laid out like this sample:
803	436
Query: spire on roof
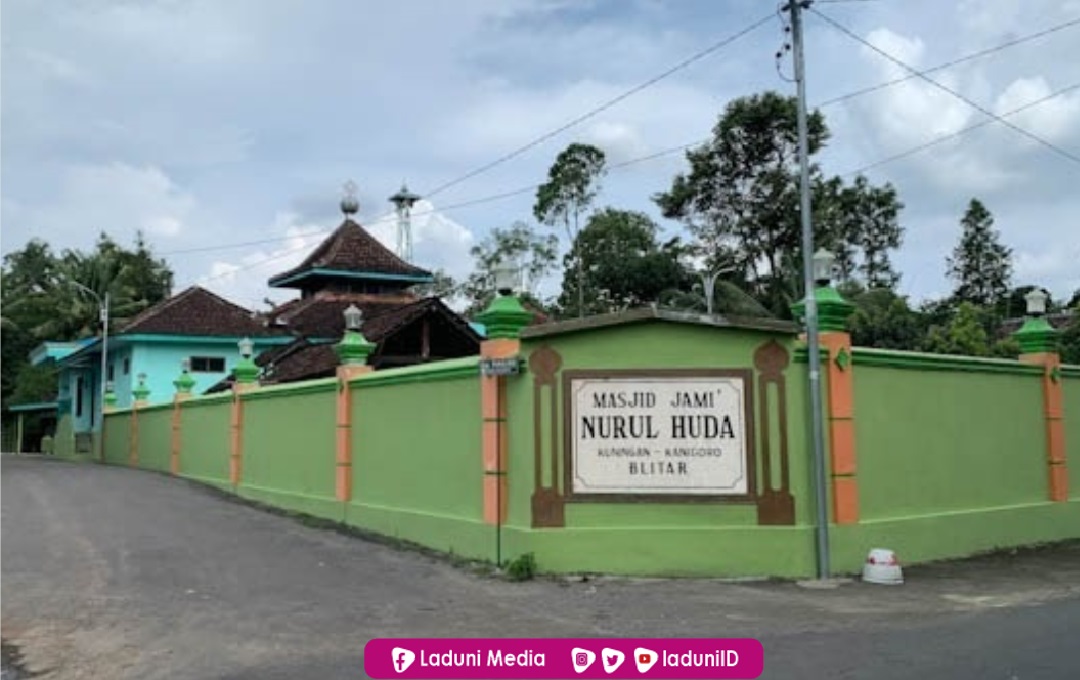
349	203
403	201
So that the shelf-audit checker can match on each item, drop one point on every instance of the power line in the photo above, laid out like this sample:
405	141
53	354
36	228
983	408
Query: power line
454	206
954	93
665	152
961	131
603	107
953	62
627	163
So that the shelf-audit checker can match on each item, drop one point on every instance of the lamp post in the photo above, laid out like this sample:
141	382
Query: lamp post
103	315
354	349
246	372
505	316
1036	302
708	281
1036	336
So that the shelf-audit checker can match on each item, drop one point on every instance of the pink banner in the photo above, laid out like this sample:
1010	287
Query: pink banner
556	658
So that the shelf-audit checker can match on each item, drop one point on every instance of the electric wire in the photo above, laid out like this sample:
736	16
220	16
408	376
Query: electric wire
978	107
953	62
961	131
602	107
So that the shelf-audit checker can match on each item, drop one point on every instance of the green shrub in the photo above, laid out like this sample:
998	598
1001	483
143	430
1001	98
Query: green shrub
522	568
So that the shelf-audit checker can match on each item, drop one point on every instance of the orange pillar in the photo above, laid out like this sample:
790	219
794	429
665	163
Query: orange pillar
1054	414
840	412
495	438
236	438
174	451
345	374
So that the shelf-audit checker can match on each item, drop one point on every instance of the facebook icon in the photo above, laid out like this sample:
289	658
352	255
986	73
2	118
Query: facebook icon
402	659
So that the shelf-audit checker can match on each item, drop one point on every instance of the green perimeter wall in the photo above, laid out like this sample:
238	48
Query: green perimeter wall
951	459
64	442
204	439
155	437
1071	389
288	448
940	441
659	538
117	437
417	457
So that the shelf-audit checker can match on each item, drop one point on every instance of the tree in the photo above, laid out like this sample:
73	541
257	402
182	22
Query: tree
882	319
741	197
1074	300
41	303
623	264
742	189
536	255
963	335
573	182
871	214
980	264
966	334
1069	342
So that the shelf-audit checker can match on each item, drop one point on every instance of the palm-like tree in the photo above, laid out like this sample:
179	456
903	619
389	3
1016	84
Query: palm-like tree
50	306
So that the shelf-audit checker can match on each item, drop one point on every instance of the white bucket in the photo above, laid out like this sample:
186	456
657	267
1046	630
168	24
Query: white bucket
882	568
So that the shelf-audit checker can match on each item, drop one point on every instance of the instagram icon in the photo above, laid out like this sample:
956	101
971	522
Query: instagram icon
582	659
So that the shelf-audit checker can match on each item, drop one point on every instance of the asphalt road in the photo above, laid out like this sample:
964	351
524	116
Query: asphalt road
114	573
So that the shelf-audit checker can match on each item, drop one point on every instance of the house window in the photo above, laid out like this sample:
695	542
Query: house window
208	364
127	365
110	371
78	397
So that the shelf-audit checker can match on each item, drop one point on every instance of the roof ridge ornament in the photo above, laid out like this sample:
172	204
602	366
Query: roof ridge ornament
350	205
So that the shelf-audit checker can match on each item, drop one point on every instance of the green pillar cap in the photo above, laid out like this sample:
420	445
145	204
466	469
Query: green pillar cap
110	398
504	317
833	310
1037	335
184	383
141	391
354	349
246	371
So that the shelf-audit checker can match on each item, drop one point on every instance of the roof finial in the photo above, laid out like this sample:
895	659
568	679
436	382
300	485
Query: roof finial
349	204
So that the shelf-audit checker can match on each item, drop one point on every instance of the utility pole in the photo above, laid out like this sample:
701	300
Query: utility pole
103	315
816	411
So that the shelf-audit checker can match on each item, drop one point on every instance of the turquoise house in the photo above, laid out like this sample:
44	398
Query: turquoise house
196	326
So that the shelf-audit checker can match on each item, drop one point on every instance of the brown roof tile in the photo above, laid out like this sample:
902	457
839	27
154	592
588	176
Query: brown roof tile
303	359
351	248
322	316
197	311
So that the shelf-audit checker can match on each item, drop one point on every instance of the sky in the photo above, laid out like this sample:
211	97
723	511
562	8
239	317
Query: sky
210	125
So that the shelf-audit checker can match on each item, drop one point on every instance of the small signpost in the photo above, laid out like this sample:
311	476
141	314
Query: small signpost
494	367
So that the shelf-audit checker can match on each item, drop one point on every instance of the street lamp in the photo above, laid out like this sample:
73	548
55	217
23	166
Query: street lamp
103	315
1036	302
247	348
823	267
708	281
354	318
507	276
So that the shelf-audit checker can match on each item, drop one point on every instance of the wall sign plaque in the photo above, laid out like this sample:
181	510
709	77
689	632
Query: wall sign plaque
665	435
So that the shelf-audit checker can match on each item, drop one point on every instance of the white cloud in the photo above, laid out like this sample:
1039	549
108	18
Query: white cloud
187	119
244	280
117	198
1055	119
